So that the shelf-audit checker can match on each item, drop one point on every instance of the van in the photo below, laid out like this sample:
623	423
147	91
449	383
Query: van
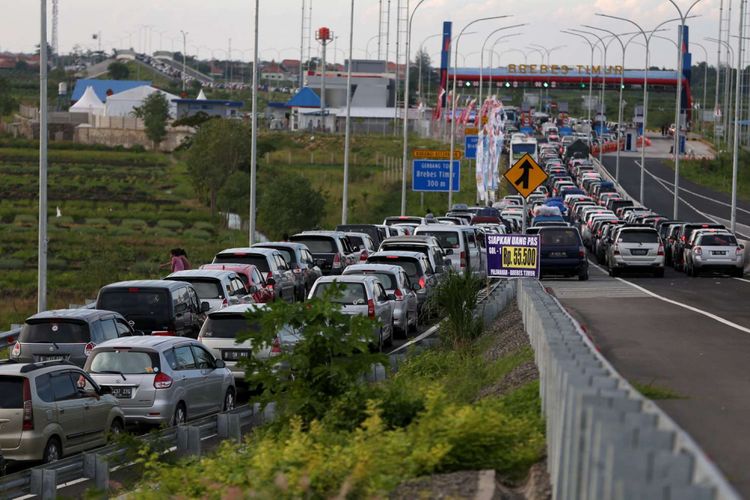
462	240
156	307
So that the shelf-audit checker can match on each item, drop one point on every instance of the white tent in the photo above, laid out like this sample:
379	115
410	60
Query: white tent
201	96
123	103
88	103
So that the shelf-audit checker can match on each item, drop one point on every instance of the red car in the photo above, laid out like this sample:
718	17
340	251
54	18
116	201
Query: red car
254	281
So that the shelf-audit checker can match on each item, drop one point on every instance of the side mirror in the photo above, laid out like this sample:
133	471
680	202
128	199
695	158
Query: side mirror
219	363
205	307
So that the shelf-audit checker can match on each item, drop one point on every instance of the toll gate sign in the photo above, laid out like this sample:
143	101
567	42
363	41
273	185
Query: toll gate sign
513	255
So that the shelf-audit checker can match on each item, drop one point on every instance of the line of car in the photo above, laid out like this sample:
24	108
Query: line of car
163	351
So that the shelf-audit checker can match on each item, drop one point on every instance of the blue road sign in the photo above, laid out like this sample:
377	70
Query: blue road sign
513	256
432	175
470	147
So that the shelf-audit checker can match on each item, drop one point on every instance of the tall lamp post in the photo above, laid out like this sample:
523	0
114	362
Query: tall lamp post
705	80
453	104
728	88
405	152
42	242
678	102
737	101
184	63
347	125
592	46
647	40
254	128
481	57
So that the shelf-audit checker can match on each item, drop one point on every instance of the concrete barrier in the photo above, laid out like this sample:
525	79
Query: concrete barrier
604	440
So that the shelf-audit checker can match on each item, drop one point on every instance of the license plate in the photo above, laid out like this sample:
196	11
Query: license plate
234	355
639	252
52	358
558	254
122	392
718	253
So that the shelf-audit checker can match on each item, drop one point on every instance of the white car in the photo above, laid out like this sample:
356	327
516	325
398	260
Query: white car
219	288
637	248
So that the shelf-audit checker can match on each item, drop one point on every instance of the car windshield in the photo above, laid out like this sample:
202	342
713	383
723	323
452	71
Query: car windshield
259	261
638	237
317	244
208	289
446	239
718	240
386	279
125	361
55	330
551	236
351	293
12	390
135	302
226	326
410	266
357	241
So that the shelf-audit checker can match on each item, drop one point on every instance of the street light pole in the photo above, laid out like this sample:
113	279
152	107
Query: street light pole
678	105
347	126
705	80
737	99
254	131
184	64
453	105
405	152
647	40
42	242
481	58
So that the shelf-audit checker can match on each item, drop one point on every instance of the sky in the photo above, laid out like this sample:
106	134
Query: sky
209	25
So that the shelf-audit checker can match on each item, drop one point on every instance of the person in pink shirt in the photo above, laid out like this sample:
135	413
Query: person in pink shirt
178	260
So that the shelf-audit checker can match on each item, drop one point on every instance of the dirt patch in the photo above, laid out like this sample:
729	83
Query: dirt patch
508	335
518	377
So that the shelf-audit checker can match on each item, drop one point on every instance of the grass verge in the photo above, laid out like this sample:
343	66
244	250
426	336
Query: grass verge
717	174
655	392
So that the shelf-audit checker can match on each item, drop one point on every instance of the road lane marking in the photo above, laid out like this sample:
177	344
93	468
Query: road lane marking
742	279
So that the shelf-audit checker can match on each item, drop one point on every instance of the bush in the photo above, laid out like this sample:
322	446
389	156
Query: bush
455	298
97	222
196	234
25	220
205	226
170	224
134	223
12	264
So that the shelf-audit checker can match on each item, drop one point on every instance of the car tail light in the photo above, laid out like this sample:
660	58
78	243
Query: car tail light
270	277
698	251
422	282
16	351
224	302
162	381
398	294
28	411
738	251
463	259
363	256
581	252
371	308
661	250
88	348
163	333
336	261
276	347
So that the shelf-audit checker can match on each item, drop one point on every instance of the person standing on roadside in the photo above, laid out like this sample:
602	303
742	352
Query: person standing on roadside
177	261
182	255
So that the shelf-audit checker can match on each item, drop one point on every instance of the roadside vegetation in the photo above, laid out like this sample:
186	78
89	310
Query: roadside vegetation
717	174
446	409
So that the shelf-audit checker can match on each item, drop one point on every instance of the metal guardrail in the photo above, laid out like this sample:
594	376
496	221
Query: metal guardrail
604	440
44	481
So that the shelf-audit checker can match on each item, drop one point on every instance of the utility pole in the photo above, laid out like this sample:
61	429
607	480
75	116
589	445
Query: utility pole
42	243
347	125
184	60
324	36
254	131
737	100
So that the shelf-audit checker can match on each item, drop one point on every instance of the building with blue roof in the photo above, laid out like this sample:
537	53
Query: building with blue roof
305	98
104	88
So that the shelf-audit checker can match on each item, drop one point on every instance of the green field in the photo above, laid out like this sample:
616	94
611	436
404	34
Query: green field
122	211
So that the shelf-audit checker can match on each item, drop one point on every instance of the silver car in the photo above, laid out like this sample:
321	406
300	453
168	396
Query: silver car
364	296
52	409
217	287
715	250
162	380
220	331
396	283
636	247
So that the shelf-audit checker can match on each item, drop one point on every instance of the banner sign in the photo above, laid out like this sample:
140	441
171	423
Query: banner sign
513	255
433	175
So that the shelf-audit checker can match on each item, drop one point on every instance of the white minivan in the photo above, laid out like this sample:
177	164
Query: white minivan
467	254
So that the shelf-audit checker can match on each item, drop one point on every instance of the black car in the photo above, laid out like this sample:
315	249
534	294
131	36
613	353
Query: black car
156	307
299	259
563	253
377	234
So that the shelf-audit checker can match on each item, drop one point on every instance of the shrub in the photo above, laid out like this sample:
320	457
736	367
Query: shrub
134	223
11	264
196	234
170	224
205	226
97	222
456	298
25	220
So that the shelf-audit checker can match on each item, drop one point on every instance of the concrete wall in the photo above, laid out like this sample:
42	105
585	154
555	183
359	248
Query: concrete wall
129	137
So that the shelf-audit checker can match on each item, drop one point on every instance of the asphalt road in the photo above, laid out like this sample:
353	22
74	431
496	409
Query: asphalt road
701	357
697	203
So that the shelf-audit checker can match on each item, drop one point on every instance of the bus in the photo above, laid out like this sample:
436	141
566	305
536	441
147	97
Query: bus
519	146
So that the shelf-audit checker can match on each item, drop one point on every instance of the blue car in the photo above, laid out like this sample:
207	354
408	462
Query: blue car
563	253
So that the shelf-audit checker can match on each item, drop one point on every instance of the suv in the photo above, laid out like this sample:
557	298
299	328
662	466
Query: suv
162	380
67	334
376	233
362	295
254	281
156	307
52	409
220	331
715	250
428	245
465	253
218	288
417	267
269	262
636	247
331	250
562	252
682	242
299	259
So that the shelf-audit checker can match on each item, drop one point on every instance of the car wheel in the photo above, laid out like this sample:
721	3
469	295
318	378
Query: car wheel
180	415
229	400
53	451
583	275
115	429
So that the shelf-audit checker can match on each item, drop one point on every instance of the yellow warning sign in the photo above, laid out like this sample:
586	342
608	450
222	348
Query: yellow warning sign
526	175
